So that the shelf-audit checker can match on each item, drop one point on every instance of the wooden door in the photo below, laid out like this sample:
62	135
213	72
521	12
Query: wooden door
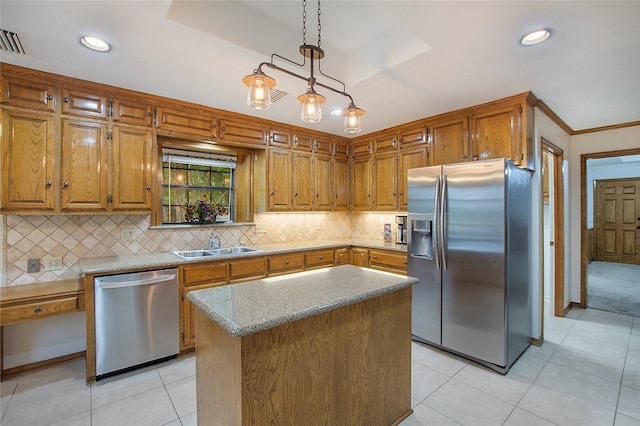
496	134
84	165
279	179
340	183
409	159
385	183
132	160
322	182
362	184
302	170
449	140
617	220
27	161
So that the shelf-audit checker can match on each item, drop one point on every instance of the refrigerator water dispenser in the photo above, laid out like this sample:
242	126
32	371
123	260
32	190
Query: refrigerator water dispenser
421	239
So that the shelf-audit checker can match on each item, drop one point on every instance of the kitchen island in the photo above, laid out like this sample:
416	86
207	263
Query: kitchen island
330	346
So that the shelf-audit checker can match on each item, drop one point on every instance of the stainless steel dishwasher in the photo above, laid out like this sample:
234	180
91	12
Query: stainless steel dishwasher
136	319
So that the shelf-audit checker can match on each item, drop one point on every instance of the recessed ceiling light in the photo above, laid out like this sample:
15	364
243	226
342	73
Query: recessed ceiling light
535	37
94	43
336	112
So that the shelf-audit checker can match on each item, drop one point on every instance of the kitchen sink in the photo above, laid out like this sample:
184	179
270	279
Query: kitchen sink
192	254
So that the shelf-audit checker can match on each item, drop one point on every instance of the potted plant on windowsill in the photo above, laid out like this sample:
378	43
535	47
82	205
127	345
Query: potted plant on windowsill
204	211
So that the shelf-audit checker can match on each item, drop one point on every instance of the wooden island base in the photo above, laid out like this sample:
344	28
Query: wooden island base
347	366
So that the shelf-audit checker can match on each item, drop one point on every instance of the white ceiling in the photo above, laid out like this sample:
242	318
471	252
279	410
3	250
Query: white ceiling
400	60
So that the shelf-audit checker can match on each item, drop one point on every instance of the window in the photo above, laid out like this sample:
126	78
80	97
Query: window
197	187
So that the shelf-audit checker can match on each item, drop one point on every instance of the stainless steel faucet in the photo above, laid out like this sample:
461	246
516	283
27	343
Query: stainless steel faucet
212	241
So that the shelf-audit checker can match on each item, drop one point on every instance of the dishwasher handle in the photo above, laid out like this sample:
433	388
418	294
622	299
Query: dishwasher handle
135	283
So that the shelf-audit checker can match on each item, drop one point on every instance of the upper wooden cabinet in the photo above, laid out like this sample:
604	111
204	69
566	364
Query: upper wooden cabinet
82	103
385	142
361	148
28	161
279	179
341	185
410	136
385	181
84	165
340	149
408	159
322	182
191	122
322	146
302	181
242	132
27	94
449	140
496	133
280	138
362	184
132	176
131	111
302	142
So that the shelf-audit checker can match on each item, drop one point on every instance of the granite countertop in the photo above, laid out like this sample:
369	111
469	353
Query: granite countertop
250	307
119	264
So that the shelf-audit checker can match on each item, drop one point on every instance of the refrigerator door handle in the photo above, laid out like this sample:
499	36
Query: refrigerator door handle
436	225
442	223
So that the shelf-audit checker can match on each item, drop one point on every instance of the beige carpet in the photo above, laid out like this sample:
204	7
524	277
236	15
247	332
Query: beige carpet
614	287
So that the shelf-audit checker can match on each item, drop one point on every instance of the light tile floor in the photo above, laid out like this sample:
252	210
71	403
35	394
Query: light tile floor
586	373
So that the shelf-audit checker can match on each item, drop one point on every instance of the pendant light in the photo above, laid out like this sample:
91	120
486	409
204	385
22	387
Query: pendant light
260	84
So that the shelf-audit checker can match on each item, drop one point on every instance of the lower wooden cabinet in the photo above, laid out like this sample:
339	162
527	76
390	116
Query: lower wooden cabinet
188	315
318	259
342	256
285	263
389	261
247	269
360	257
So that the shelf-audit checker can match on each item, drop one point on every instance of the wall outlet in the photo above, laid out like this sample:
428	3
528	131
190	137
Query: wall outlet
127	235
33	265
261	228
52	263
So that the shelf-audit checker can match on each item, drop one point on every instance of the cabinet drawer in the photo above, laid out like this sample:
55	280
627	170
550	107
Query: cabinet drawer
388	260
318	259
213	273
243	269
291	262
43	309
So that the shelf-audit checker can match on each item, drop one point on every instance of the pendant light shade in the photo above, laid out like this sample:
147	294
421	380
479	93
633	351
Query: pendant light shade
352	120
260	85
311	109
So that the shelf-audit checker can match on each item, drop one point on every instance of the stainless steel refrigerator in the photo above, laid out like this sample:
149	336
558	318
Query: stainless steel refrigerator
468	243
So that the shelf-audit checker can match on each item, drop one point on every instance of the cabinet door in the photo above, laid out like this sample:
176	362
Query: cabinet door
449	140
387	260
279	179
27	94
252	133
191	122
385	142
246	269
132	160
340	183
340	149
318	259
360	257
302	170
496	134
361	148
322	146
188	315
362	184
131	111
27	161
84	165
302	142
81	103
322	184
409	159
285	263
342	256
412	136
385	182
280	138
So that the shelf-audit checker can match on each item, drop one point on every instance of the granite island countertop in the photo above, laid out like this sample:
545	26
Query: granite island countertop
119	264
251	307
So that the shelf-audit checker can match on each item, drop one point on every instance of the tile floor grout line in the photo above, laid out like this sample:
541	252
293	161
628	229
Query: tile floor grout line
175	410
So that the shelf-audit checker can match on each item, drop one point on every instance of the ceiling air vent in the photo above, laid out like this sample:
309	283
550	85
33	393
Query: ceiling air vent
276	95
10	42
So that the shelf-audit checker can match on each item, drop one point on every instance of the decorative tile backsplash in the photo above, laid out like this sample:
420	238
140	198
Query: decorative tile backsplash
76	237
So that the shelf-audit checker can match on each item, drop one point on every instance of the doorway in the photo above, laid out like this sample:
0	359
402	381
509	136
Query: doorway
553	228
607	240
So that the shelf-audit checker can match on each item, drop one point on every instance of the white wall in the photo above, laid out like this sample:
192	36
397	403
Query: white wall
588	143
549	130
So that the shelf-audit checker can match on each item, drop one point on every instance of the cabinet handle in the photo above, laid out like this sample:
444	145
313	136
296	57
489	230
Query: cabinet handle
37	309
393	142
213	126
464	157
401	193
286	262
317	195
49	97
148	188
65	100
295	195
320	257
394	194
66	184
149	115
48	183
296	141
375	257
405	262
272	193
